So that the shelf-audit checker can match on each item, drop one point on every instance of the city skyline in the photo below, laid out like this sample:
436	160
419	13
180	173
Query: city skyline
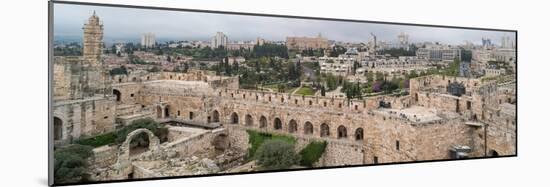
129	24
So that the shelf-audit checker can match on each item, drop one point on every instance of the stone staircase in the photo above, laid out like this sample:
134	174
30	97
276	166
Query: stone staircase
127	109
126	113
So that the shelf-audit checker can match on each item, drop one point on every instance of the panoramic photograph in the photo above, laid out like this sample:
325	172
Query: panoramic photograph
150	93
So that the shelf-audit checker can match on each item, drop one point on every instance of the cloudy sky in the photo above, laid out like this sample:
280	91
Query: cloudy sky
129	23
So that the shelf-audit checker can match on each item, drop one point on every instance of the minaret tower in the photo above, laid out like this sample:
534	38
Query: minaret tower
93	41
95	78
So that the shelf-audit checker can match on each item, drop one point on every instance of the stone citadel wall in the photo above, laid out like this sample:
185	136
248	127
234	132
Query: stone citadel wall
385	136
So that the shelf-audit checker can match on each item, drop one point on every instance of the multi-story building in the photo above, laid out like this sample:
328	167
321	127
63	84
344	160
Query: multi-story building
486	42
504	55
302	43
492	72
148	40
403	39
439	53
507	42
336	65
220	39
249	45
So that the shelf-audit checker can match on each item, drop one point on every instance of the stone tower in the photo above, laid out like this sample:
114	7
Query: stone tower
93	40
94	76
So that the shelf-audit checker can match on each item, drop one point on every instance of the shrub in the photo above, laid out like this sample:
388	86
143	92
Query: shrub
119	71
99	140
70	163
312	152
276	154
256	139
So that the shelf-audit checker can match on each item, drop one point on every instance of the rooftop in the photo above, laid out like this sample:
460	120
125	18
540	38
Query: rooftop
415	114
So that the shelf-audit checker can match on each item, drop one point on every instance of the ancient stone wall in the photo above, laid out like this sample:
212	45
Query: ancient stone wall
434	140
104	156
187	146
128	92
342	154
501	136
67	78
85	117
139	172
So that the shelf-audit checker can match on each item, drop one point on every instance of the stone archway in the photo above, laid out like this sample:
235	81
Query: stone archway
117	94
277	124
124	149
325	130
167	111
292	126
216	116
57	128
359	134
308	128
342	132
263	122
248	120
234	118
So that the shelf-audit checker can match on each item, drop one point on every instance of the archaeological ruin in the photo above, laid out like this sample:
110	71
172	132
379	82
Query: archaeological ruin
207	117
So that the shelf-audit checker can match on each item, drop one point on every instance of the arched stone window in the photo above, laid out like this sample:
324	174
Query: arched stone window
248	120
263	122
308	128
292	126
216	116
167	111
277	124
234	118
342	132
57	128
325	130
359	134
117	94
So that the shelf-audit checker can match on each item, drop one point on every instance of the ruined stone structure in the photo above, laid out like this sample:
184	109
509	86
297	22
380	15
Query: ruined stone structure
427	124
82	105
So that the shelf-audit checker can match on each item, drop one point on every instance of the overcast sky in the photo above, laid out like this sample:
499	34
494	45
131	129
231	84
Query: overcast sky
130	23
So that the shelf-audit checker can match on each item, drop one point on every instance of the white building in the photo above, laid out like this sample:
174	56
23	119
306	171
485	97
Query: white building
439	53
494	72
507	42
403	39
233	59
148	40
336	65
219	40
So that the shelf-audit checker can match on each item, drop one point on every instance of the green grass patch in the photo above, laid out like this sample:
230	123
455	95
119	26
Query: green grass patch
256	139
305	91
312	152
99	140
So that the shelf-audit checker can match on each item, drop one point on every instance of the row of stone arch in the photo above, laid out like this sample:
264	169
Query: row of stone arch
342	131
